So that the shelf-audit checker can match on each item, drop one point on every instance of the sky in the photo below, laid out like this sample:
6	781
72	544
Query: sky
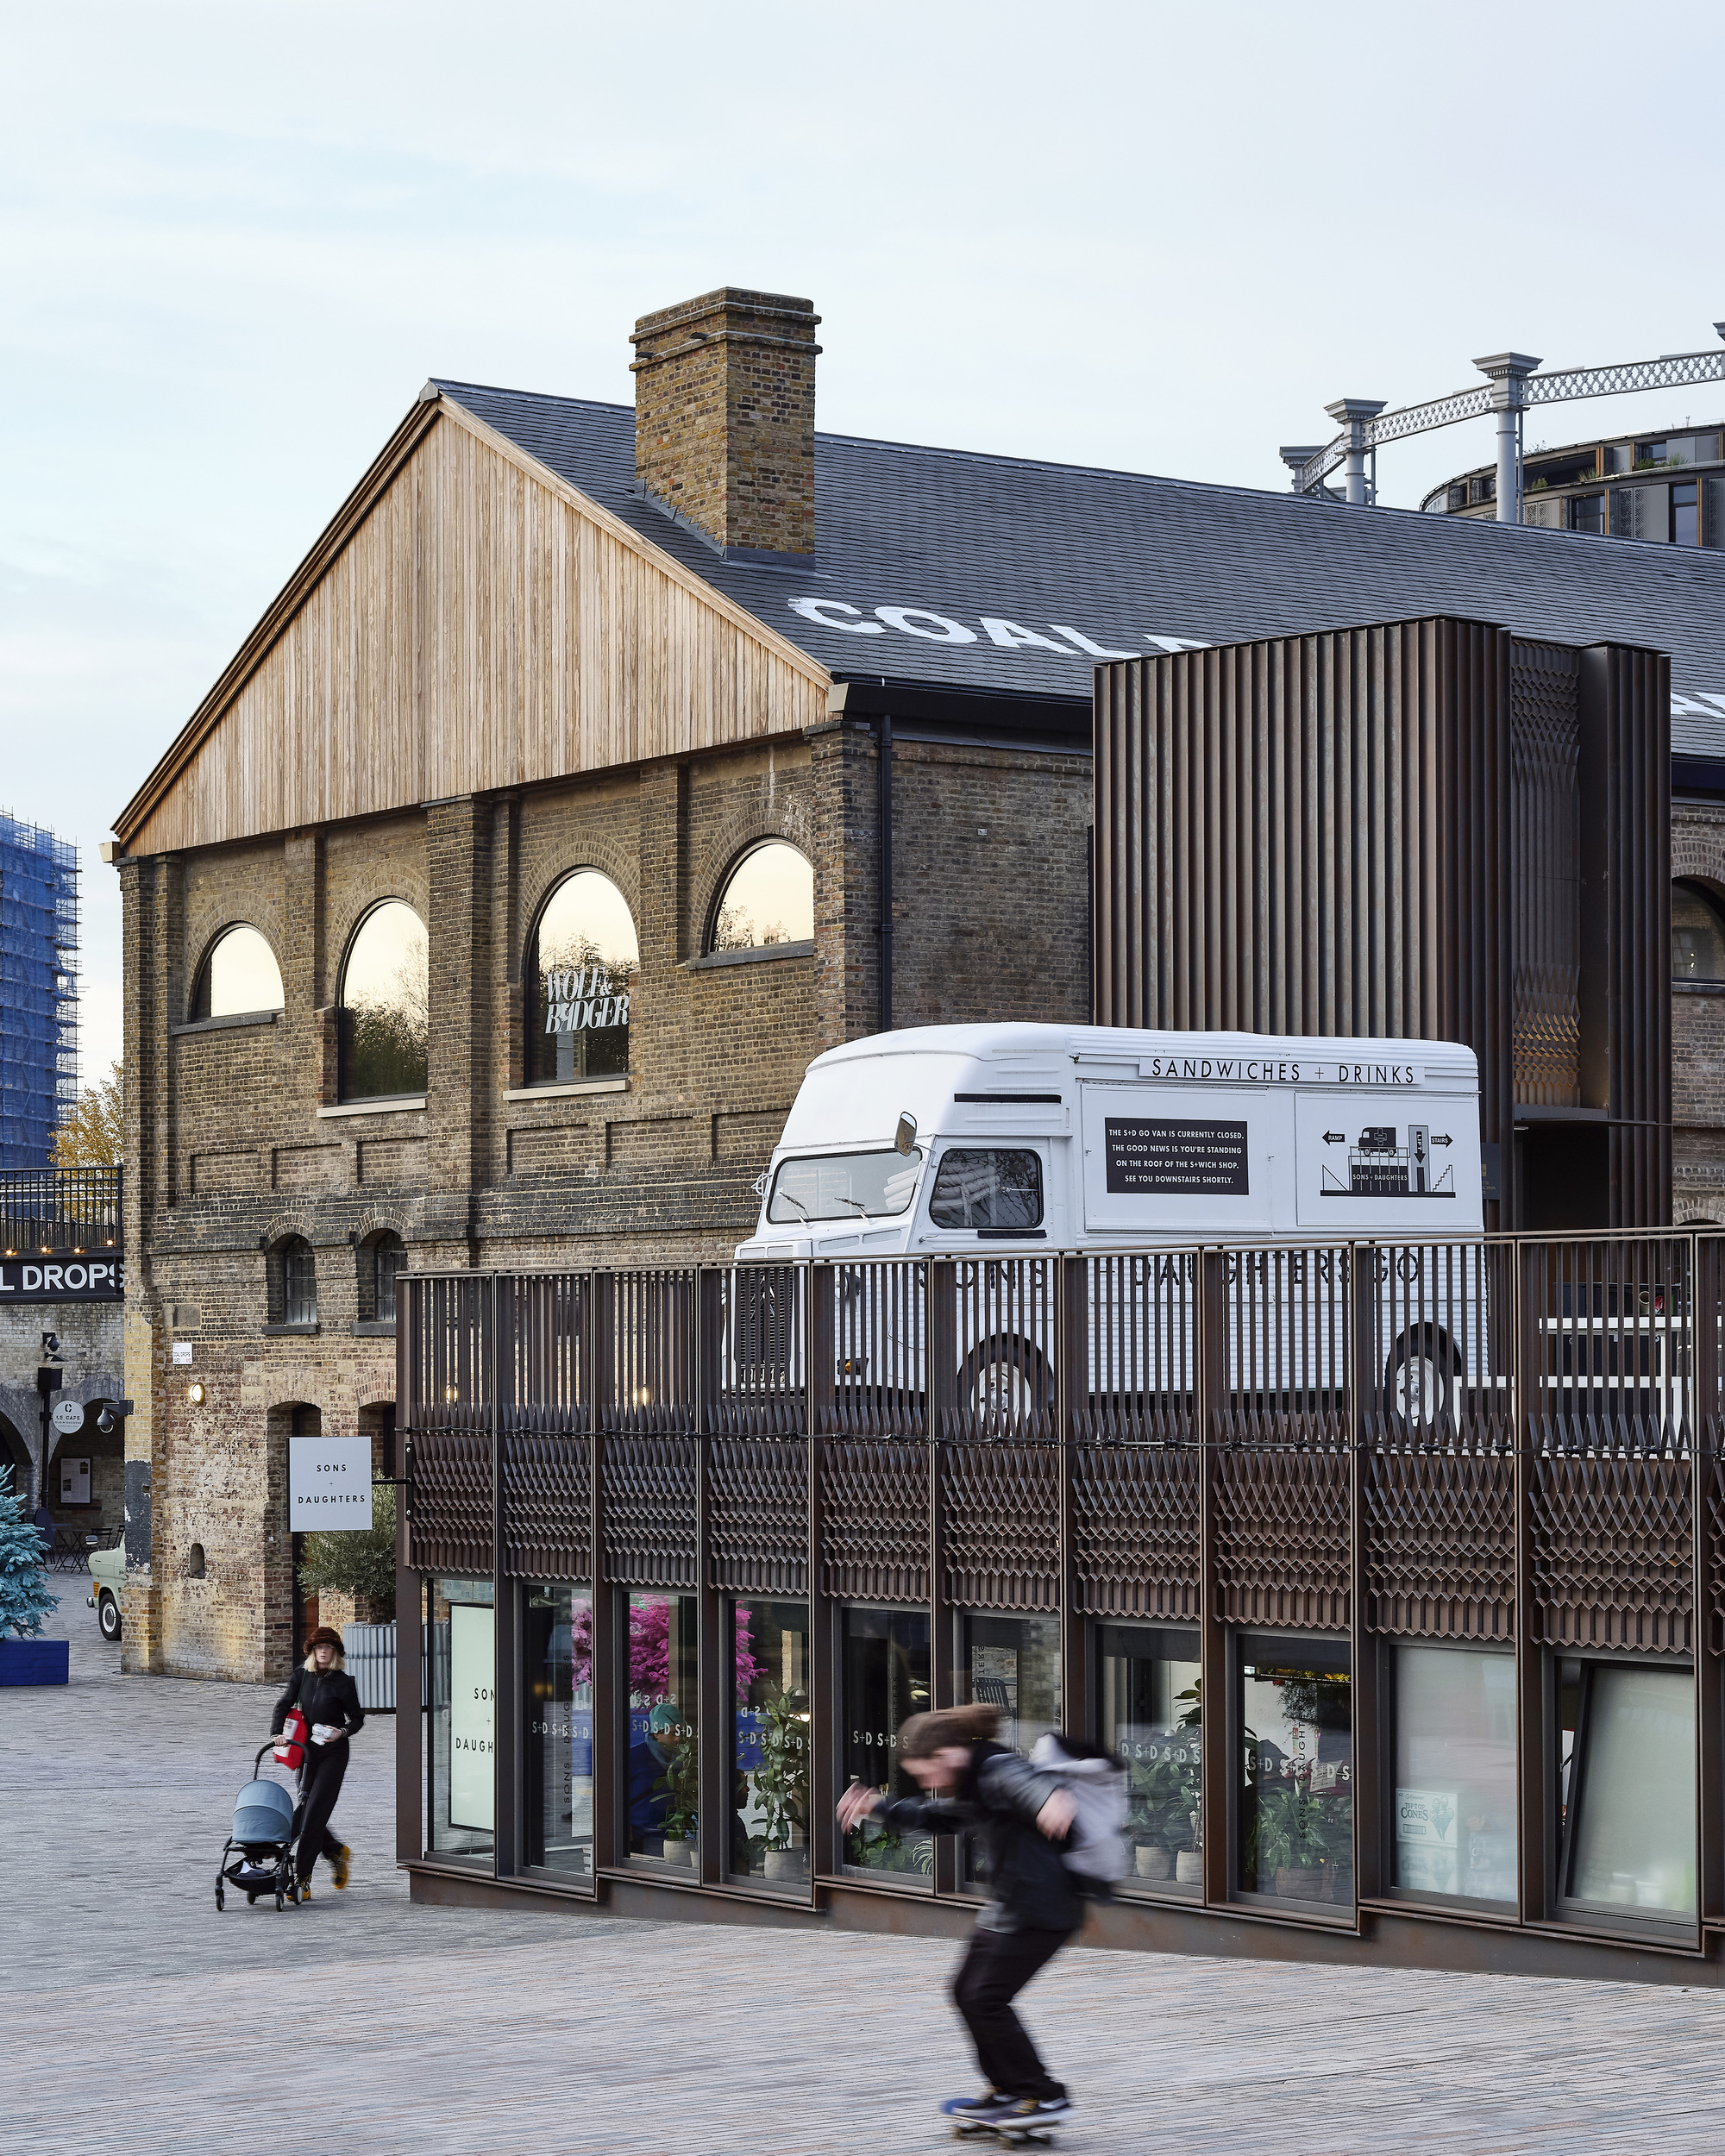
236	240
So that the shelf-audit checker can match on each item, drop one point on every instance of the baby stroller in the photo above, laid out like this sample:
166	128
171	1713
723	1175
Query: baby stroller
266	1820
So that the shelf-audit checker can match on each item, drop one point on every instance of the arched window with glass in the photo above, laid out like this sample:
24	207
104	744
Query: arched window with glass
767	899
239	976
380	1259
581	963
385	989
1698	935
298	1276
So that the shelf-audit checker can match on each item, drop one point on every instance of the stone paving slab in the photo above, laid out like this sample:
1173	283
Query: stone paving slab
370	2026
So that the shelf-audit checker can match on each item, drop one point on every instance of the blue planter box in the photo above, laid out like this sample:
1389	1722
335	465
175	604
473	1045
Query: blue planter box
36	1661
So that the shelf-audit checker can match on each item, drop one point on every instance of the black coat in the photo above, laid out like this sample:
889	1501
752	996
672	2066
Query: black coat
997	1799
322	1695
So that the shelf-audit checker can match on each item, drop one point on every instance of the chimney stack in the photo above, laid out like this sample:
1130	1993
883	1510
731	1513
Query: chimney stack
725	419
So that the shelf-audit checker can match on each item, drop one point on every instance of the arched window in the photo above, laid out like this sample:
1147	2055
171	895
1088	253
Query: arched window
380	1260
240	974
1698	935
581	963
298	1273
383	1001
768	898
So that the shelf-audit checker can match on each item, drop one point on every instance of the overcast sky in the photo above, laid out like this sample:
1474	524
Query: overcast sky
238	238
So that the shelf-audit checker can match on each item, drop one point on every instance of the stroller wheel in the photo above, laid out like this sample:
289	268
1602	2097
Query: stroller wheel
251	1901
278	1901
221	1899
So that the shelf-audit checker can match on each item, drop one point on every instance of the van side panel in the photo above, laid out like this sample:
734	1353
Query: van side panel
1403	1163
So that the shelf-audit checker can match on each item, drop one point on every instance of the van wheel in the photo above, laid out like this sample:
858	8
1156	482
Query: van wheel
108	1615
1003	1383
1420	1380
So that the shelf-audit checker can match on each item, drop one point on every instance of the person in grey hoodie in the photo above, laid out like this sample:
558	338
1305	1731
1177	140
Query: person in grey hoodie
1022	1818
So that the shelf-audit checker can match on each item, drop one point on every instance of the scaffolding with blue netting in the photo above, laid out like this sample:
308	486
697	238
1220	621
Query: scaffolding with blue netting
39	926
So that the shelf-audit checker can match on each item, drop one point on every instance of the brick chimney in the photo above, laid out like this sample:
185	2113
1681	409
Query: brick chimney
724	418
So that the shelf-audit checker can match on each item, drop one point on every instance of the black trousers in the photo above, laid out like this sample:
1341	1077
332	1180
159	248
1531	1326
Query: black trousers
320	1785
996	1967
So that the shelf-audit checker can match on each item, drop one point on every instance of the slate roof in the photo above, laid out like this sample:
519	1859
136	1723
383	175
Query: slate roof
1127	559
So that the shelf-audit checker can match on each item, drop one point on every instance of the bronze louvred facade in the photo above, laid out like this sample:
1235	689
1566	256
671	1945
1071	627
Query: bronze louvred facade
1429	829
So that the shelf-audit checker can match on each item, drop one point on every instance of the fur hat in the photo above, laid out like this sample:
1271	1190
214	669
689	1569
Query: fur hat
323	1637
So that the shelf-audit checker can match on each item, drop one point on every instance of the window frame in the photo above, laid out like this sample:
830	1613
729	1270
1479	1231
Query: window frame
1036	1231
532	974
344	1092
1476	1908
794	947
196	1014
291	1251
1694	887
1561	1843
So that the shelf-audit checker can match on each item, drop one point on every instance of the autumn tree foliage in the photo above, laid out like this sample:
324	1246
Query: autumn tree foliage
92	1132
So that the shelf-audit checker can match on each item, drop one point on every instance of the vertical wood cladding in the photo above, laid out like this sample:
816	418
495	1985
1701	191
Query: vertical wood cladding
1545	744
467	623
1625	996
1327	835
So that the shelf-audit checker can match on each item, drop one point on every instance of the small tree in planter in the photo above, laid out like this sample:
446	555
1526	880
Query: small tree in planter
356	1561
24	1602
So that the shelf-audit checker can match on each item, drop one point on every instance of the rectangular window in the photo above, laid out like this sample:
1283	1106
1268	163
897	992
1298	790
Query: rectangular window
993	1187
769	1745
844	1186
1626	1790
1013	1664
1685	515
661	1751
1296	1771
460	1636
884	1659
1151	1717
1587	512
557	1727
1454	1797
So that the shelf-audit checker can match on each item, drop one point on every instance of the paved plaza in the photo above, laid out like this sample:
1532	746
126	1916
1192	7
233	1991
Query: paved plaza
137	2018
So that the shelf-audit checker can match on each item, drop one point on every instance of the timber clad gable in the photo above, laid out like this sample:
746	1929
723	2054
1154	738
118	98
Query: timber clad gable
479	625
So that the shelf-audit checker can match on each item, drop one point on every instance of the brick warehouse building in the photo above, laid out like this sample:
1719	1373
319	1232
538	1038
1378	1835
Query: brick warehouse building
559	764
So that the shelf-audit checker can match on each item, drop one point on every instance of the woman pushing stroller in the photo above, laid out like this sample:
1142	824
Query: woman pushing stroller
329	1699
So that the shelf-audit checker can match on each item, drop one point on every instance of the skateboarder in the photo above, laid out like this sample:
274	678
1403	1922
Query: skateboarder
1022	1817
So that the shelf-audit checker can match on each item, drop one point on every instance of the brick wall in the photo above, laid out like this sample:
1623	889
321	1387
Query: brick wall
724	416
1698	837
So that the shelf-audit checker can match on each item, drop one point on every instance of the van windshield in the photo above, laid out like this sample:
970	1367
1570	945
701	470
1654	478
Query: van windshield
843	1186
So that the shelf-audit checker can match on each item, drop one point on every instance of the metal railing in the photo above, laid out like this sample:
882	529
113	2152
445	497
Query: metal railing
44	1210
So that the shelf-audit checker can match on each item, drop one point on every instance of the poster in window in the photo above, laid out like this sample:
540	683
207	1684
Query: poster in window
473	1715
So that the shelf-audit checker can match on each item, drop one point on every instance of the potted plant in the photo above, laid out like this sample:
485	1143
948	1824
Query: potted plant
681	1786
781	1783
1290	1840
25	1657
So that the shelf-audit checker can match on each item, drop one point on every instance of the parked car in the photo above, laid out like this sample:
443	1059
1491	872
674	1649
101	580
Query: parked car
107	1571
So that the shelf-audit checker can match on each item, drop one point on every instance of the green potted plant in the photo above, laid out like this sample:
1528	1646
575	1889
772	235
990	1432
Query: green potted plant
780	1785
681	1786
25	1657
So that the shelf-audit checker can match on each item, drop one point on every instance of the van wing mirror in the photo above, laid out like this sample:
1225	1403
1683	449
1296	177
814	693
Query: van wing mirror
904	1139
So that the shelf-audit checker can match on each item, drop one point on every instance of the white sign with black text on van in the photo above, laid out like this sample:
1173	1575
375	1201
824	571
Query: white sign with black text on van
329	1484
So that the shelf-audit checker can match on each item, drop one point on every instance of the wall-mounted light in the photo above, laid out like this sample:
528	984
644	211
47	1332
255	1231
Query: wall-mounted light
194	1393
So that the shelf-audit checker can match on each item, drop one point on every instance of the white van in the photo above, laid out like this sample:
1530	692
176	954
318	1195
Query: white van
949	1139
990	1142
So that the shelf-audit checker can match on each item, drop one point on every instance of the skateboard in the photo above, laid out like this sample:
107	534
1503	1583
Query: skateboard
1033	2133
1040	2135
